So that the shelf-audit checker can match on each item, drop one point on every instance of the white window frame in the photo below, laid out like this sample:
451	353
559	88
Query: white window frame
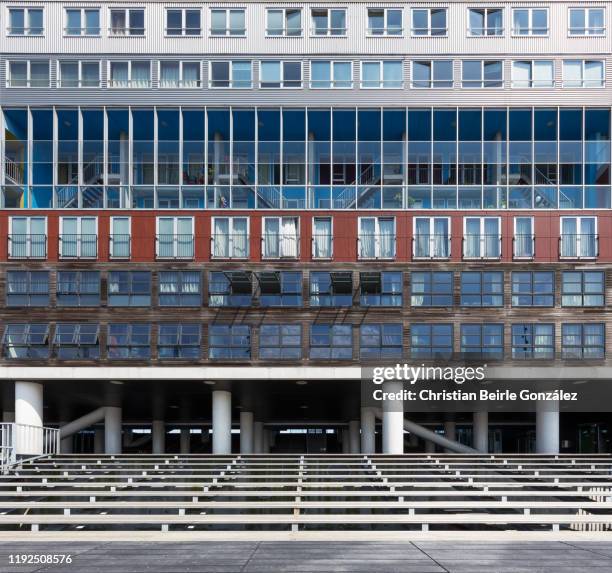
579	219
328	30
479	84
111	233
79	233
429	34
181	77
227	11
230	226
281	235
385	30
183	11
381	66
28	219
332	80
80	76
26	21
230	75
109	80
82	33
583	81
28	74
282	75
331	238
482	237
486	11
531	85
284	29
377	235
431	220
175	234
530	29
432	81
514	235
587	31
127	30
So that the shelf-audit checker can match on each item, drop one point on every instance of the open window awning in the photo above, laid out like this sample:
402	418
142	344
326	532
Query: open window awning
269	282
342	282
371	283
240	281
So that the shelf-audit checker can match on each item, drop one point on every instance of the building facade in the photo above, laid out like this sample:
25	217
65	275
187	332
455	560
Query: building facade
266	197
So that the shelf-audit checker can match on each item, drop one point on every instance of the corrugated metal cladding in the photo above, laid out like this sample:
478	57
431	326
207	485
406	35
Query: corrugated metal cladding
356	41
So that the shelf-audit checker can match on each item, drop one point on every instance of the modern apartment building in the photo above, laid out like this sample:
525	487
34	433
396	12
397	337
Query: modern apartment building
214	214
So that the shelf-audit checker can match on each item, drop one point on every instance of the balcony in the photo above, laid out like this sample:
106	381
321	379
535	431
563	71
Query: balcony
119	246
376	247
437	246
174	246
523	246
27	246
280	246
81	246
482	246
585	246
229	246
322	246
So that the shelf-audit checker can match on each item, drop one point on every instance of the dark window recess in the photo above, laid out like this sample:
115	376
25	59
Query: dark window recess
380	288
231	288
331	288
280	288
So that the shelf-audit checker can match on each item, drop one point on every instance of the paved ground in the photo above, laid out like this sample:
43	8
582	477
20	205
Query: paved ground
418	556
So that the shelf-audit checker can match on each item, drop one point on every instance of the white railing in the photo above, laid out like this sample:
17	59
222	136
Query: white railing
23	441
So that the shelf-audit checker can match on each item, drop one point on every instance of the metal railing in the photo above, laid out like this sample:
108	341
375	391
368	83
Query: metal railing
27	246
583	246
322	246
426	246
523	246
482	247
170	246
23	441
119	246
378	246
280	246
78	246
229	246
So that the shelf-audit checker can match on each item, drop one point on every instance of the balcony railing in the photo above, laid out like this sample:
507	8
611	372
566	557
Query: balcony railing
436	246
584	246
120	246
376	246
280	246
322	246
482	246
174	246
229	246
27	246
523	246
81	246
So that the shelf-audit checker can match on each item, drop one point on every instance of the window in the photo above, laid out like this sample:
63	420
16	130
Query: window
482	341
26	22
583	74
26	341
76	341
78	237
533	341
382	75
28	74
380	341
376	237
431	288
533	288
183	22
230	288
431	238
331	288
79	74
280	238
328	22
179	341
524	238
429	22
380	288
385	22
174	74
229	342
326	74
235	74
482	238
322	238
432	74
486	21
27	288
280	288
431	341
227	22
127	22
129	288
276	74
27	237
180	288
482	74
175	238
133	74
82	22
482	288
579	237
284	22
533	74
230	237
583	288
280	342
331	341
586	22
530	21
582	341
78	288
120	237
129	341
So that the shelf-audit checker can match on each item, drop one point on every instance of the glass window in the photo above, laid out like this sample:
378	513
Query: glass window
284	22
276	74
230	238
533	74
27	288
328	75
482	341
76	341
485	21
175	238
180	288
175	74
482	74
530	21
431	288
79	75
183	22
132	74
27	237
82	22
328	21
25	22
129	288
331	288
583	73
280	288
482	238
127	22
281	238
385	22
582	341
129	341
230	288
280	342
120	237
533	288
380	341
579	238
31	74
431	341
179	341
377	238
78	288
235	74
382	75
229	342
432	238
26	341
583	288
432	74
533	341
227	22
331	341
587	21
482	288
380	288
429	22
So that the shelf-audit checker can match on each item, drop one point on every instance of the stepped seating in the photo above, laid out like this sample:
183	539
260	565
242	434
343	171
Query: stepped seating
308	492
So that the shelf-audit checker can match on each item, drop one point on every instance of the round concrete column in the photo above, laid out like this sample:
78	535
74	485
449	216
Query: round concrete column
354	437
246	432
393	421
450	433
480	431
368	431
29	411
258	433
112	430
222	422
66	444
158	437
547	428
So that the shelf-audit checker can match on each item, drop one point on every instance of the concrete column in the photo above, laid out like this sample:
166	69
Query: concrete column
112	430
66	444
222	422
99	441
158	437
258	430
430	447
185	441
368	431
450	432
547	427
246	432
393	421
480	431
354	437
29	411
